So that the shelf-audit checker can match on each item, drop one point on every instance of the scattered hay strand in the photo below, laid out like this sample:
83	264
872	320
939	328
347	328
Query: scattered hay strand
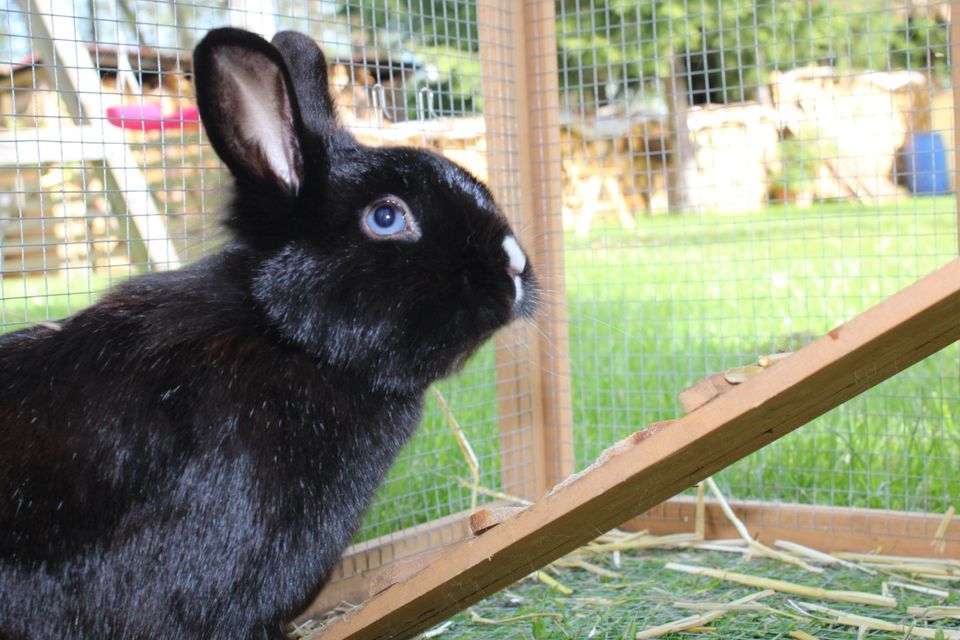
493	493
465	448
692	622
833	616
552	582
438	630
879	559
801	635
741	528
725	548
820	556
699	523
572	563
639	542
929	591
857	597
934	613
476	617
720	606
939	542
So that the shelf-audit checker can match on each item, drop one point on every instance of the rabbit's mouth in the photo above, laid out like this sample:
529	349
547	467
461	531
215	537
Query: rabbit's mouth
524	284
520	273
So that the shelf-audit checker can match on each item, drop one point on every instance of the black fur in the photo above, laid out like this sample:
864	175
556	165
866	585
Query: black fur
188	457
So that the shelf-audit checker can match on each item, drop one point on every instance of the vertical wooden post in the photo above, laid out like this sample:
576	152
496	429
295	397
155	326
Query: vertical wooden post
521	113
955	81
682	176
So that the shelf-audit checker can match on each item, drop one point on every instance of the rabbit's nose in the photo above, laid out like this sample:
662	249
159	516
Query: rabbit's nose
517	261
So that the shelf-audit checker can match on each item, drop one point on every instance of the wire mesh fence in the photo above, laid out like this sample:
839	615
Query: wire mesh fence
734	179
747	176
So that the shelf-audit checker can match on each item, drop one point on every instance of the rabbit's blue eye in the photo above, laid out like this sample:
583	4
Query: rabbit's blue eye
389	218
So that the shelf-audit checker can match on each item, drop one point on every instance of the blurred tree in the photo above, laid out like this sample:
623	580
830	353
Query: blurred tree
608	50
611	50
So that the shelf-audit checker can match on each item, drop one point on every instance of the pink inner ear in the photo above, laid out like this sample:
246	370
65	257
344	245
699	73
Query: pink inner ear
255	99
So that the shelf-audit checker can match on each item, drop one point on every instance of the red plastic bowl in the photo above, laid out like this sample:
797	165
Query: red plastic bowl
150	117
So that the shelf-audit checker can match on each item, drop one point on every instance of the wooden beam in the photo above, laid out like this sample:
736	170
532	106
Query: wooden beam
366	567
682	176
546	224
506	115
825	528
521	117
49	145
78	86
850	359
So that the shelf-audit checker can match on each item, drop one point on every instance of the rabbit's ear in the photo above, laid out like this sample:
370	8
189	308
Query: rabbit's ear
248	108
308	69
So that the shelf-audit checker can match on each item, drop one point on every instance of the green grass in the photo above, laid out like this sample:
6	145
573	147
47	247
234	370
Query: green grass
617	608
707	294
655	308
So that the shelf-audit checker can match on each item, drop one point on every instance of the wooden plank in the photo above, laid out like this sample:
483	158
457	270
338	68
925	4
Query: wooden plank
850	359
78	86
826	528
52	145
367	567
522	130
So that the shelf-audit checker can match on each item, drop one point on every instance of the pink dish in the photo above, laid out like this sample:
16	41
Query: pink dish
150	117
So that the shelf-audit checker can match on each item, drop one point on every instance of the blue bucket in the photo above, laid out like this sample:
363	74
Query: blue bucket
924	164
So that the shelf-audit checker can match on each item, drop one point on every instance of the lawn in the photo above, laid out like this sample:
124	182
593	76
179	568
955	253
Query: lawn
655	308
644	593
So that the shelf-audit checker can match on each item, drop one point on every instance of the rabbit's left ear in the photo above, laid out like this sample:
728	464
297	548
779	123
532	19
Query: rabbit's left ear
308	70
249	109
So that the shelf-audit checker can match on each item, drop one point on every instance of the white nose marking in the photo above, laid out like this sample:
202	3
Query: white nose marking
518	261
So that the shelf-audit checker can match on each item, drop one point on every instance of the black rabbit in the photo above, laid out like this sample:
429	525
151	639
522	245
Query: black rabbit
188	457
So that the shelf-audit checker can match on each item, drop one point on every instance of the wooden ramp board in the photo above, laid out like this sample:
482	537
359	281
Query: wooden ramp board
850	359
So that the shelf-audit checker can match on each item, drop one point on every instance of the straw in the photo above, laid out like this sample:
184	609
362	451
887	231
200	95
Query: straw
783	586
875	624
692	622
939	542
476	617
464	445
552	582
741	528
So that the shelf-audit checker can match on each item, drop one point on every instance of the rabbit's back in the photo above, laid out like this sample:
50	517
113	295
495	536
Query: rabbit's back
164	455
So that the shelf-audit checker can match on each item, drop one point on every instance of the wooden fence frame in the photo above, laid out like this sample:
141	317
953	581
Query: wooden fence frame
522	128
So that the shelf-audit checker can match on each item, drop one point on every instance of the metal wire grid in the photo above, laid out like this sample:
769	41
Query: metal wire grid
687	262
402	72
658	300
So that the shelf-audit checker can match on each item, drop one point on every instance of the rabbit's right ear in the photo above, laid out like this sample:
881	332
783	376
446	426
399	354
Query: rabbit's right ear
249	109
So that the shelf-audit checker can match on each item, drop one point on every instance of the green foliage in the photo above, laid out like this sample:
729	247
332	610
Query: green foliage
611	50
800	157
443	37
616	47
447	83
